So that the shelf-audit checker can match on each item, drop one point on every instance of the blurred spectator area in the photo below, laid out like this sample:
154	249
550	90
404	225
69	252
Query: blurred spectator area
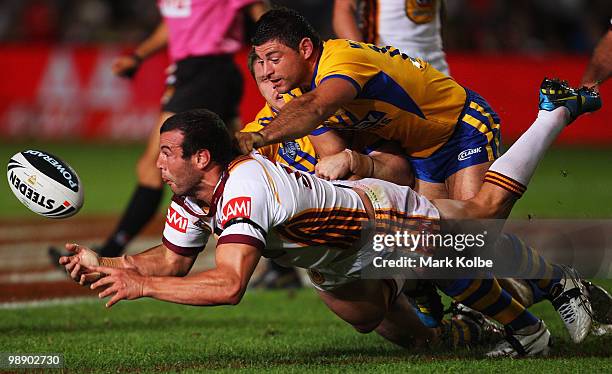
471	25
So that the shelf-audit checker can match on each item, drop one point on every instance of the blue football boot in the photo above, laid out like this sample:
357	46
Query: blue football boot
555	93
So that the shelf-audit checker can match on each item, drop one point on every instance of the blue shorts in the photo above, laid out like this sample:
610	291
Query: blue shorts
476	140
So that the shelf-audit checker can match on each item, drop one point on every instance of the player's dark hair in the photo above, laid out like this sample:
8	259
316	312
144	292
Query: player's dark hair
285	25
202	129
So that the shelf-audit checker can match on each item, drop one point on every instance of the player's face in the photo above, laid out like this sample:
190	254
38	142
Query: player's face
266	87
180	174
284	67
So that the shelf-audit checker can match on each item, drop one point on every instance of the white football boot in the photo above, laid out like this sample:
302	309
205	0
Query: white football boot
570	299
521	344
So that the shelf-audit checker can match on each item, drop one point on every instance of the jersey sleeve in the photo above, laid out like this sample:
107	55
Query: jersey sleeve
184	232
345	59
246	215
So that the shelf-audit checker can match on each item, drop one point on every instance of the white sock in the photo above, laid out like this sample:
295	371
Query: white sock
520	161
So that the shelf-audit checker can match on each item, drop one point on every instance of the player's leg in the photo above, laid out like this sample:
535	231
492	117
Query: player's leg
509	175
375	305
507	178
364	304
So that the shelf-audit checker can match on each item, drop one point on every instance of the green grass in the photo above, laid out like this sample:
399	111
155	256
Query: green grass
570	182
270	331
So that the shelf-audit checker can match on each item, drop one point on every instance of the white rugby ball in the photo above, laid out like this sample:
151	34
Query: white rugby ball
45	184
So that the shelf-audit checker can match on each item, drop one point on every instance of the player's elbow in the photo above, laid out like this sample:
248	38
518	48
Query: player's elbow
179	265
234	294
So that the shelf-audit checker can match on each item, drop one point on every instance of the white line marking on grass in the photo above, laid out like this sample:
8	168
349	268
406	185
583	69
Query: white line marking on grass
13	305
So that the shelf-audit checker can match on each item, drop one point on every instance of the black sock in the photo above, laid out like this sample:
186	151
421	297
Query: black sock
140	210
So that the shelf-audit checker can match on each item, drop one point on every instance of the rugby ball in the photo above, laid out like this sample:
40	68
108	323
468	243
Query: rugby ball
45	184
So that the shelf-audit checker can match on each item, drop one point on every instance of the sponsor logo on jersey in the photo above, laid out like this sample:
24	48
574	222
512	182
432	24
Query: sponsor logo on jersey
373	120
291	149
175	220
30	193
464	155
238	207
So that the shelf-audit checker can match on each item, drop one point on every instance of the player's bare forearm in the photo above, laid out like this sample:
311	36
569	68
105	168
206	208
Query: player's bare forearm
222	285
298	118
212	287
344	22
302	115
158	261
600	66
328	143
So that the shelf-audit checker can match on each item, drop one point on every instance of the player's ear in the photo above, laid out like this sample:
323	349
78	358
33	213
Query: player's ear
306	48
202	158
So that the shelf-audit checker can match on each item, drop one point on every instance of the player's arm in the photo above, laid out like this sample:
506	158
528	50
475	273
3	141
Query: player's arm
301	115
600	66
158	260
126	66
344	22
384	160
223	285
327	143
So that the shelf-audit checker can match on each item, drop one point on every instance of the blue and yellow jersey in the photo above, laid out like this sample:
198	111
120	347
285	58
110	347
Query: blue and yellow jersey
399	97
299	154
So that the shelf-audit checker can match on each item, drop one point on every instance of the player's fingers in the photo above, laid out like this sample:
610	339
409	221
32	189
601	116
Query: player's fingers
107	292
99	269
64	260
115	299
102	282
90	277
73	247
74	274
71	264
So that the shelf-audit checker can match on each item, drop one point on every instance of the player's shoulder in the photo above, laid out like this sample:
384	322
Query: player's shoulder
343	47
252	127
248	166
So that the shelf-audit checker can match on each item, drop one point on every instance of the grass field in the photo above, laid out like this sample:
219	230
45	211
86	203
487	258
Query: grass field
270	331
569	183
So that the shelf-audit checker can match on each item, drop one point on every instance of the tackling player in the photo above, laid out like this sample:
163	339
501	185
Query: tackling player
261	208
449	132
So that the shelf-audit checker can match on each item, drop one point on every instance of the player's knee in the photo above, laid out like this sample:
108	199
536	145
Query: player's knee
366	328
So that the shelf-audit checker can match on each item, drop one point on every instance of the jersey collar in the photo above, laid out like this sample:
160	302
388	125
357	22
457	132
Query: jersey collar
316	69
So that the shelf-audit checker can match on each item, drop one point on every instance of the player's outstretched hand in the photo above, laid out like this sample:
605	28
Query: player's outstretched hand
125	66
75	264
334	167
247	141
121	284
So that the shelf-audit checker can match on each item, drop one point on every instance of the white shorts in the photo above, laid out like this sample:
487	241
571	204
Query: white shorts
394	206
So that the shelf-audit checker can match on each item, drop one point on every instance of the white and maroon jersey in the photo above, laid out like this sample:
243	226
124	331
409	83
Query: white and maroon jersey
291	216
187	227
203	27
412	26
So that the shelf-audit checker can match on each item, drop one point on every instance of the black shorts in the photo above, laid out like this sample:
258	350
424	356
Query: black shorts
210	82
